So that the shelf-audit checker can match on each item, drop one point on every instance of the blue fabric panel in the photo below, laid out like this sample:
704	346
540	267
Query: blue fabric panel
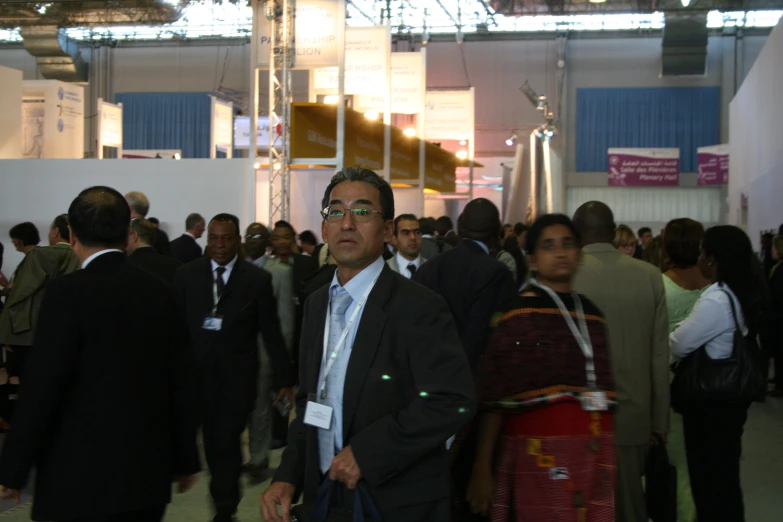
647	117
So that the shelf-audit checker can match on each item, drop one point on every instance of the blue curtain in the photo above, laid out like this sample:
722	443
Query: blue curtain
169	120
684	117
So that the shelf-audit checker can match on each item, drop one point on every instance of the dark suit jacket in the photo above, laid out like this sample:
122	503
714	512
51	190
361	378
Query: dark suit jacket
397	432
248	307
185	249
475	286
161	242
147	258
107	409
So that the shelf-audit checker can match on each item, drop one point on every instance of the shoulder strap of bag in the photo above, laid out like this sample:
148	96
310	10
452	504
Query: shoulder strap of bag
733	310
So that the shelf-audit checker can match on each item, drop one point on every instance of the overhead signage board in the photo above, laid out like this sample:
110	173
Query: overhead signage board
222	125
367	55
448	115
316	34
644	167
713	165
407	75
111	124
242	132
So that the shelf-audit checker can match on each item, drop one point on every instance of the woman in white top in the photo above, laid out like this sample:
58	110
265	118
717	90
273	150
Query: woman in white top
713	433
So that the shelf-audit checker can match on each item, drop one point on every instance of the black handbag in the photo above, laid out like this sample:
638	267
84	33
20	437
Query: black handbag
742	378
660	486
328	508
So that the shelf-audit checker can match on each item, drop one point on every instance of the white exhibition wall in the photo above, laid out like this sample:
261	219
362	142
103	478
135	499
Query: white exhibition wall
39	190
11	109
756	125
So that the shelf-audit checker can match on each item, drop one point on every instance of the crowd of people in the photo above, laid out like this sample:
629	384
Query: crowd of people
410	370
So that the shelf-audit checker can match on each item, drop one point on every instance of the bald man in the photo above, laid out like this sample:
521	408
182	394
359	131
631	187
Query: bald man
630	293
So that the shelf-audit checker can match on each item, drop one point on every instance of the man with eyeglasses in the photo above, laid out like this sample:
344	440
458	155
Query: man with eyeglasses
263	416
407	239
384	381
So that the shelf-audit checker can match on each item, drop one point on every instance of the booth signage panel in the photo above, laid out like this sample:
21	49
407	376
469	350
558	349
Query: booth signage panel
222	119
62	133
111	125
440	171
367	52
404	157
317	27
713	165
407	70
363	141
242	132
644	167
449	115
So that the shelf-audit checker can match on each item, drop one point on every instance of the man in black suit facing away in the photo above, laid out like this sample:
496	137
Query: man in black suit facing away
398	384
185	247
108	417
142	254
228	301
139	208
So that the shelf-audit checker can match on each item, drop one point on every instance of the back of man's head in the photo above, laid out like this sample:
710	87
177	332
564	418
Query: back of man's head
138	203
146	231
443	225
99	217
595	223
193	220
480	221
427	226
61	224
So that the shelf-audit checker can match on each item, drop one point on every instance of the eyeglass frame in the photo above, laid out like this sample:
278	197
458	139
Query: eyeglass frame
373	212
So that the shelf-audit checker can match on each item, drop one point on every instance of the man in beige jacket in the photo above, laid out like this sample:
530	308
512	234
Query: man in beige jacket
630	293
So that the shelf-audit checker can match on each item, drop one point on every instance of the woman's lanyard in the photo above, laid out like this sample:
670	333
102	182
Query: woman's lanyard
338	347
580	333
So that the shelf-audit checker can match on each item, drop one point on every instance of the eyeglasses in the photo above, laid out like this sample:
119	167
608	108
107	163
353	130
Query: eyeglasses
360	215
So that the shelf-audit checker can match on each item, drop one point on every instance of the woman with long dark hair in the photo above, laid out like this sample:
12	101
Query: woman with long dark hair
546	437
713	431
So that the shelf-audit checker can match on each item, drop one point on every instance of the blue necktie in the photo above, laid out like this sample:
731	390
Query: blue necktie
334	384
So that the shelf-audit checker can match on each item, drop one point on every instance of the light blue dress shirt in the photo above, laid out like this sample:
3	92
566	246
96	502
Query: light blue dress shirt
484	247
356	288
709	324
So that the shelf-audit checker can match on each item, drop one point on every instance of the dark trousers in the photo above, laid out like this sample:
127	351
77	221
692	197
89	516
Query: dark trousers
778	357
16	358
227	403
146	515
713	444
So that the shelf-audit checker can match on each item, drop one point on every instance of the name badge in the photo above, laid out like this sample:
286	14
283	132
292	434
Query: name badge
214	324
595	401
318	415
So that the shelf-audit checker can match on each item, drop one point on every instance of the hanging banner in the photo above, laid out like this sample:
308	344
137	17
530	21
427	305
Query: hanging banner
644	167
318	23
449	115
407	72
713	165
110	124
242	132
367	51
221	131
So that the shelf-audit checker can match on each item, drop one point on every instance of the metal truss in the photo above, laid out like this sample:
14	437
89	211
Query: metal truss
281	62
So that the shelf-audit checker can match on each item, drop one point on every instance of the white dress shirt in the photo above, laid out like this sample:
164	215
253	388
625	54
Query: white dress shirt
229	267
403	264
98	254
709	324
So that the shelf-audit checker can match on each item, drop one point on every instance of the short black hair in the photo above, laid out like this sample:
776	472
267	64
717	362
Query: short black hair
427	226
61	224
365	176
643	231
682	242
546	221
308	238
285	224
444	225
520	228
154	220
407	217
27	233
100	217
192	220
145	230
227	218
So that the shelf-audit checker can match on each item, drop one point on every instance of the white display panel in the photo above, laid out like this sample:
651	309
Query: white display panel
221	127
407	72
317	25
449	115
109	127
11	110
62	135
242	132
367	55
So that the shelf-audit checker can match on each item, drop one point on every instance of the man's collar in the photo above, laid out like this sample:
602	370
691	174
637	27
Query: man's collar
357	286
599	248
403	262
227	266
189	234
483	246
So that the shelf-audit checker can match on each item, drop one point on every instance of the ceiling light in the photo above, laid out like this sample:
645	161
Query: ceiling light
371	115
463	142
511	140
686	3
461	35
425	37
331	99
597	1
410	132
276	165
256	166
462	154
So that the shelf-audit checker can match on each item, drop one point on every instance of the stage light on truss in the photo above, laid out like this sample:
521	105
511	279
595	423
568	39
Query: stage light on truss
511	140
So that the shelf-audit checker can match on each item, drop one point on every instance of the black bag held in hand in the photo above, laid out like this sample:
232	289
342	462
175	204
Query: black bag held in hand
328	507
742	378
661	486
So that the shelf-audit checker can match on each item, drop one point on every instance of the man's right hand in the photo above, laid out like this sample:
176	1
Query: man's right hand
278	494
186	482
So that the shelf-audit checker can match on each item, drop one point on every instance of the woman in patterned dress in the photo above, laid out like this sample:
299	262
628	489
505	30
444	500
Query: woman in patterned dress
546	444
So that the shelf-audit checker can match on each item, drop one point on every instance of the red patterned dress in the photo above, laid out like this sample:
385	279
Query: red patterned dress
555	460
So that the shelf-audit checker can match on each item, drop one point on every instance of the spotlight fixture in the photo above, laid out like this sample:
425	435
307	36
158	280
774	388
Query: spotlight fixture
177	156
462	154
410	132
686	3
460	36
511	140
597	1
331	99
276	165
256	166
371	115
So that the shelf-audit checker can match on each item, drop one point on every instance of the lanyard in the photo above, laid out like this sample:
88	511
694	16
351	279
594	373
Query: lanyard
338	348
580	333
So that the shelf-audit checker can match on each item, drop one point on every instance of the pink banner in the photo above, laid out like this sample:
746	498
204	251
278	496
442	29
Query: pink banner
713	166
644	167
